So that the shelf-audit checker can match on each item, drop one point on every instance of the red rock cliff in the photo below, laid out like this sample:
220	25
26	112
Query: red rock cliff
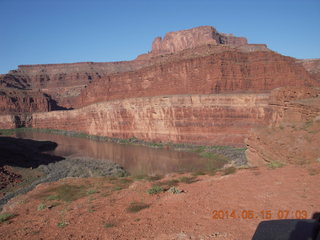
221	70
63	81
18	101
199	119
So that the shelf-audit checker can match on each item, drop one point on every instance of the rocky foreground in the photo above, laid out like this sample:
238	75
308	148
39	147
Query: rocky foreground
124	208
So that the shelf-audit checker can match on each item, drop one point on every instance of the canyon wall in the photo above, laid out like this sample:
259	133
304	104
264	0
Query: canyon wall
17	101
195	61
63	81
40	76
224	71
293	132
199	119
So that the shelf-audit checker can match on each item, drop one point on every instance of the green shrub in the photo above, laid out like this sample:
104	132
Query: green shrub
6	216
125	180
175	190
64	192
91	191
169	183
198	173
41	206
154	178
275	164
109	225
155	189
229	170
137	206
188	180
62	224
117	188
91	209
53	197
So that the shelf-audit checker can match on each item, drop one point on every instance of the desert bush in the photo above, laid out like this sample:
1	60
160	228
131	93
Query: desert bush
41	206
64	192
174	190
6	216
188	180
229	170
62	224
275	164
155	189
169	183
109	225
137	206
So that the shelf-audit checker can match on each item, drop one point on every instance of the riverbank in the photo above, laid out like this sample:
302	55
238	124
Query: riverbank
127	208
219	153
24	164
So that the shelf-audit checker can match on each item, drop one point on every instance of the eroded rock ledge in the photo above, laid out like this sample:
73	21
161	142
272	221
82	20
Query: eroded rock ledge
213	119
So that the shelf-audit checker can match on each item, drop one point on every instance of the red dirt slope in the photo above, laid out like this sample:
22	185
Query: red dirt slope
188	215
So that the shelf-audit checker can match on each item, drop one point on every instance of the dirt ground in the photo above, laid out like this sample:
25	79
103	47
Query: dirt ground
249	196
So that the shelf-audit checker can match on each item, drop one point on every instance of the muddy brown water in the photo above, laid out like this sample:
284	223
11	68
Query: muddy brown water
135	159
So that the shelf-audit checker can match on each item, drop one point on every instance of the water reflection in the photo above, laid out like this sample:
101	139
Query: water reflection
135	159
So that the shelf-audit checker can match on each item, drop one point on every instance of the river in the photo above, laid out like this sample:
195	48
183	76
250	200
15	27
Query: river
137	160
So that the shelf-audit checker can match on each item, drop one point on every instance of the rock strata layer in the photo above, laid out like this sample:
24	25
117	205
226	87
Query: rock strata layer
18	101
198	119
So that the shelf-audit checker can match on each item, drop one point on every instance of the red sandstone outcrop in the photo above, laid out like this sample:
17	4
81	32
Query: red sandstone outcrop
177	41
222	70
199	119
293	132
68	74
63	81
19	101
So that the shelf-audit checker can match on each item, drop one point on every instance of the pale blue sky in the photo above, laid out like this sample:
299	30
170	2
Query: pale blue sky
61	31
